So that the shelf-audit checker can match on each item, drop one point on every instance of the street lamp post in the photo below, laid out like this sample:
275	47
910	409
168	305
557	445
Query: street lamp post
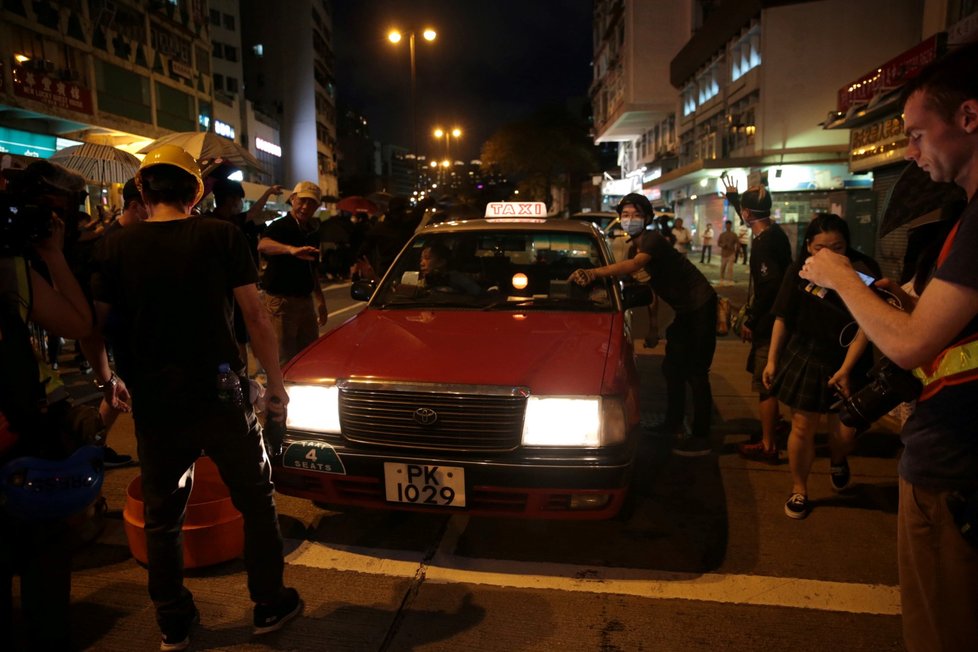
395	36
440	133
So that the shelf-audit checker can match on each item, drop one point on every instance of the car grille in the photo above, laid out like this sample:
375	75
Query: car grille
432	417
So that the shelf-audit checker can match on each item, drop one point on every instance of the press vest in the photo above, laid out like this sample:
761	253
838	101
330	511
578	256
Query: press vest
955	365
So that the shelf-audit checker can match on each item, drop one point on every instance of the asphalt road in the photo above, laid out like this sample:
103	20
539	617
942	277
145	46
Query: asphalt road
703	559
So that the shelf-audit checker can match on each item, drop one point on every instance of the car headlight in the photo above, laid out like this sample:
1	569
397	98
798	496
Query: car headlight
314	408
588	422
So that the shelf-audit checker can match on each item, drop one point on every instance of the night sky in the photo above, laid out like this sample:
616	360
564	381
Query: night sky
494	61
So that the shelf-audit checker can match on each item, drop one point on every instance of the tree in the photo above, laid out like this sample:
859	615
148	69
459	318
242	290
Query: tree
546	150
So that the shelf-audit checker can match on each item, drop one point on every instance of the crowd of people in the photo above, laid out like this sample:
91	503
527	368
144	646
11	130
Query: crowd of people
174	295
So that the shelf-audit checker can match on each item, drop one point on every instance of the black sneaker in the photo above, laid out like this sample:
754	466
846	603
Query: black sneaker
797	506
114	460
839	475
273	617
692	447
179	638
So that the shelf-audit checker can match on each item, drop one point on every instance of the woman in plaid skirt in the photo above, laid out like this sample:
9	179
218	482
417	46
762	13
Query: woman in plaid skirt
817	355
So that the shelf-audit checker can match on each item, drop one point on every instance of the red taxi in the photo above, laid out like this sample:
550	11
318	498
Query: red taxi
477	379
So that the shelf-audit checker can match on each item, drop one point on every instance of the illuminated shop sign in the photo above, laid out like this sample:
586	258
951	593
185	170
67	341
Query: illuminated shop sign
269	148
892	74
880	143
223	129
37	86
13	141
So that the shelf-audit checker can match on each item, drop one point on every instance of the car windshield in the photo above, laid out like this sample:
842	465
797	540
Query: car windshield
495	270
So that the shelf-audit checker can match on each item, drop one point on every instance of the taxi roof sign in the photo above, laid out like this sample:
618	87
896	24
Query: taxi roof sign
516	209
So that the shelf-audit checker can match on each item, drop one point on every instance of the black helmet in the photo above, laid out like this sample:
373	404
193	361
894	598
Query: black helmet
639	201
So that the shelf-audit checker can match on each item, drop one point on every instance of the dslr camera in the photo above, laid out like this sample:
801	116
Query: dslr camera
889	386
22	223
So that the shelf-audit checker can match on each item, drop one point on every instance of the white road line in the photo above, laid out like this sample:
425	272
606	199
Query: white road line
446	568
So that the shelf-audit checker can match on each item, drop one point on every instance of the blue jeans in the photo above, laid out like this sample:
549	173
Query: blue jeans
168	447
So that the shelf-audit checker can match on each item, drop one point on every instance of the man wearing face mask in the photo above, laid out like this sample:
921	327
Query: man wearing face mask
690	338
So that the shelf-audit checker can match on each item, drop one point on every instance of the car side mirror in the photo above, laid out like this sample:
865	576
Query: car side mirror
362	290
636	294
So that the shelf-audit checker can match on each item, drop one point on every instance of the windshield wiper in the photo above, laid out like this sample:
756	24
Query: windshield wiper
425	304
533	302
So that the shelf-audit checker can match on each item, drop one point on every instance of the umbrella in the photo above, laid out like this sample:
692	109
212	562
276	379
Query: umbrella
914	195
356	204
99	164
208	146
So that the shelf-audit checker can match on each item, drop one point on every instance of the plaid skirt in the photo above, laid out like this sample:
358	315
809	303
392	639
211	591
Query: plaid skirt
801	380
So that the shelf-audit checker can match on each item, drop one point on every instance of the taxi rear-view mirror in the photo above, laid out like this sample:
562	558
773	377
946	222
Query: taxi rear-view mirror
362	290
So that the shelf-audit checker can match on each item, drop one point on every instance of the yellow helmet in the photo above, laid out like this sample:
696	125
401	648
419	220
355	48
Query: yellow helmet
175	156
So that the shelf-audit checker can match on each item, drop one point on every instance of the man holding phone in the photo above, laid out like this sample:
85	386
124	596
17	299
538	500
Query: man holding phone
939	341
290	244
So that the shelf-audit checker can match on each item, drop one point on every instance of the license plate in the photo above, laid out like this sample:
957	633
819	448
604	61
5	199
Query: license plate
425	484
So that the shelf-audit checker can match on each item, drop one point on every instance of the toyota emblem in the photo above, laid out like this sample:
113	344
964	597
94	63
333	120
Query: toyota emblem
425	416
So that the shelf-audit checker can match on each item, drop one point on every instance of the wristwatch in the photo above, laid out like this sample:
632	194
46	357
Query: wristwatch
111	382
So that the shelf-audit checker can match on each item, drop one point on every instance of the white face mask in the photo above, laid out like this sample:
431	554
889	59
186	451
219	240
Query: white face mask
633	225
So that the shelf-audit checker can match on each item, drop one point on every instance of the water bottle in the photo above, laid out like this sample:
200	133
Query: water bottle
229	386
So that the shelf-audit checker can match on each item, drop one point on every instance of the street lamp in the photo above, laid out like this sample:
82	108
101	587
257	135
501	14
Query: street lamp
440	133
395	36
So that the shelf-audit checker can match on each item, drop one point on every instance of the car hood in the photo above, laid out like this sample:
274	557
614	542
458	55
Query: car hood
549	352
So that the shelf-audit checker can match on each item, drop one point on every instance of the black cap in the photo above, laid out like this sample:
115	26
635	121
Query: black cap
130	193
639	201
758	200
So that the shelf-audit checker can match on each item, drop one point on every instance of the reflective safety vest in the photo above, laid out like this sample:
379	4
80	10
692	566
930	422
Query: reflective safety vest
955	365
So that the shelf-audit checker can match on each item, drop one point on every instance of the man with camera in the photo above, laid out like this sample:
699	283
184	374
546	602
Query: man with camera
938	519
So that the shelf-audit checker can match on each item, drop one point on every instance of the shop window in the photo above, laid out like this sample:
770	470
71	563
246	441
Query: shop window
689	99
745	52
174	109
122	92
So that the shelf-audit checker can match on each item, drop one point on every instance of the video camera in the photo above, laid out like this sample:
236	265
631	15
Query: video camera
22	223
889	386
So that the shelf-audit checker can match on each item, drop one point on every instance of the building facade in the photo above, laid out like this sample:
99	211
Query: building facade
747	103
289	75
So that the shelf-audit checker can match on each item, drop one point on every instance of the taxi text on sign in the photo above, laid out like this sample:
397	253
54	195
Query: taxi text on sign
516	209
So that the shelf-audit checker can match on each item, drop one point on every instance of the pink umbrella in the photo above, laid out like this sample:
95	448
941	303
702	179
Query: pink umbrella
356	204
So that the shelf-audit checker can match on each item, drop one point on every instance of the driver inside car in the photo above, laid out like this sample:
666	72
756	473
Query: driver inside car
437	276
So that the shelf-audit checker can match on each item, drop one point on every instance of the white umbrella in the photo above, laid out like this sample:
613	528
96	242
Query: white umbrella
208	146
99	164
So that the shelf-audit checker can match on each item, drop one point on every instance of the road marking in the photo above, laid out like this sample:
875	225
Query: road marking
446	568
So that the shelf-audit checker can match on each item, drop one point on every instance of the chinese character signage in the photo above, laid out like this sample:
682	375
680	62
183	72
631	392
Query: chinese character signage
892	74
37	86
877	144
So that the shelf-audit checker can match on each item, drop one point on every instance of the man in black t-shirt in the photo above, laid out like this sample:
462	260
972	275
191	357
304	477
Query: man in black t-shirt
937	524
770	257
290	245
691	337
169	281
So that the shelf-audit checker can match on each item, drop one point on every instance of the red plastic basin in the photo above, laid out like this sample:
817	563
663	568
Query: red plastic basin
213	530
